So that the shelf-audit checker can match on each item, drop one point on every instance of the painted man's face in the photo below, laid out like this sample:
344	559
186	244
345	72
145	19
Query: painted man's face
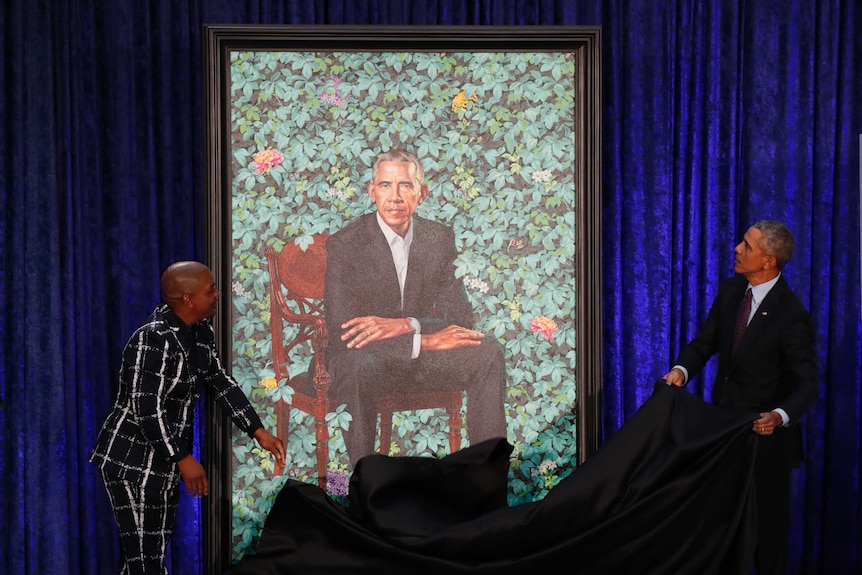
397	191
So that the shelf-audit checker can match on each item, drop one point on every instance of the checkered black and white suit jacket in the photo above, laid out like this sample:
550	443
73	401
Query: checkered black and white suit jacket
150	425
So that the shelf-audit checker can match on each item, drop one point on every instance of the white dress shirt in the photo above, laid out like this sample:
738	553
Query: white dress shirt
400	248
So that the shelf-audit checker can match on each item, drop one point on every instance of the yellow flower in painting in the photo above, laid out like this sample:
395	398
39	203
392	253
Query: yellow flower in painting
461	100
545	326
268	383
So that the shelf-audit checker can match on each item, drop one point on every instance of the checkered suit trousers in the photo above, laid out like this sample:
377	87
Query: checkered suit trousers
144	535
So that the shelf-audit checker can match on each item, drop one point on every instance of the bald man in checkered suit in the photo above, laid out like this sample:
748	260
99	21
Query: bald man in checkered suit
144	447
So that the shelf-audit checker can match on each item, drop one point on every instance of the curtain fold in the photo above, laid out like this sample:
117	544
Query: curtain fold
715	114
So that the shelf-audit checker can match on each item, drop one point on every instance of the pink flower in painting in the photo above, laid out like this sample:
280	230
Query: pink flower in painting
265	160
545	326
332	99
330	92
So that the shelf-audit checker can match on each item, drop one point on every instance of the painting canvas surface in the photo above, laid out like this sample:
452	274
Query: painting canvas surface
495	132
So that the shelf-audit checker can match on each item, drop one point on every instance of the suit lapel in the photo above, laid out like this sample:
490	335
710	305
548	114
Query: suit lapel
378	259
761	318
418	253
186	373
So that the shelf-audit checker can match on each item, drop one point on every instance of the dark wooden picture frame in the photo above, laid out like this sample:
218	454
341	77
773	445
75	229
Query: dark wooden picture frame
581	47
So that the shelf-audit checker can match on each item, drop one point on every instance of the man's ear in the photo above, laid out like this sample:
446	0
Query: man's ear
370	187
423	193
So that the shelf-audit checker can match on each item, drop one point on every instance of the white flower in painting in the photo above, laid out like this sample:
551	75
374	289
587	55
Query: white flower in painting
334	192
239	291
476	284
541	176
545	468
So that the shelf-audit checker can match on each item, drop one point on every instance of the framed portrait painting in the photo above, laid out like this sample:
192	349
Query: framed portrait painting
506	124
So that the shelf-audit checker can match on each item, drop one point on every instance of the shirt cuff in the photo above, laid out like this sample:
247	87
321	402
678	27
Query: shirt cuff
785	419
684	372
417	337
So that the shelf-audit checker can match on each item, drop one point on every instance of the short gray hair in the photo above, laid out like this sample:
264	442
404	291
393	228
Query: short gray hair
777	241
399	156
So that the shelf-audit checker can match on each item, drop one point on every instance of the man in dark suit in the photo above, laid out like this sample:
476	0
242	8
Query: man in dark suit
398	318
144	446
766	365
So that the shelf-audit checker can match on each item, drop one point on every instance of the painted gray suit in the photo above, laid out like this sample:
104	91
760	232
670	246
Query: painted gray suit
361	281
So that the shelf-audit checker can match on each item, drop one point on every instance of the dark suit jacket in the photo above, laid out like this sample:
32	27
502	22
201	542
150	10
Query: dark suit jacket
361	280
150	425
774	366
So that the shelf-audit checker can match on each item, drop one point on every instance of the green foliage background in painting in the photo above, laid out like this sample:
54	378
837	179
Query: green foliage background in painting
495	132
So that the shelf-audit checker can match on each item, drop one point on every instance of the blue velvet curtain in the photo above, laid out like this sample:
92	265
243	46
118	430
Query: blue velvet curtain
716	114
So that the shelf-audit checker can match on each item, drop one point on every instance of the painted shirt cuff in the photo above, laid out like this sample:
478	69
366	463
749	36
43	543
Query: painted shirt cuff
417	336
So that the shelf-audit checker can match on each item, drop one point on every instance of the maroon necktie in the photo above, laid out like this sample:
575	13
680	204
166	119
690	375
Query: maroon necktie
741	318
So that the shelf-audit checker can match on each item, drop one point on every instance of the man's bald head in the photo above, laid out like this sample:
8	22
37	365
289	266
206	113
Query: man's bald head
181	278
189	289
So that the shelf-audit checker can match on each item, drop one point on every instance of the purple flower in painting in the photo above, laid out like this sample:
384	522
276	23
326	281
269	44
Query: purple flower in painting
337	483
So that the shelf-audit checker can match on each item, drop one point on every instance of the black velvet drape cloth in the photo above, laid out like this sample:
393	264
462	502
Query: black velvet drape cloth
716	113
670	492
